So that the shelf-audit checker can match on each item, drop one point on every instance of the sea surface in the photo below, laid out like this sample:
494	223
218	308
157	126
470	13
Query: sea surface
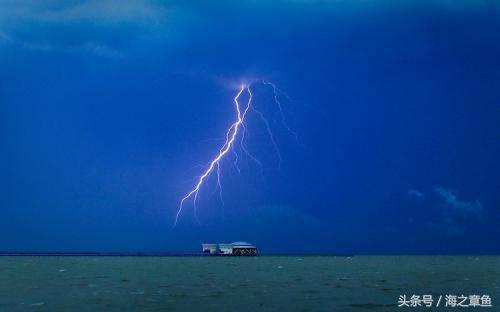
265	283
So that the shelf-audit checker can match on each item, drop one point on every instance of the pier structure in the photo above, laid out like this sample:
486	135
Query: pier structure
232	249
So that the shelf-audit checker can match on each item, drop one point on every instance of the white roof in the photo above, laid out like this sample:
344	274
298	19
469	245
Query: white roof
242	244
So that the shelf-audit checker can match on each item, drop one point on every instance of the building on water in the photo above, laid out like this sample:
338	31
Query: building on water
209	248
233	249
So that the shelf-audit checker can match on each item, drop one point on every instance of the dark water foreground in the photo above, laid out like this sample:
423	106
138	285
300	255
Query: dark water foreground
362	283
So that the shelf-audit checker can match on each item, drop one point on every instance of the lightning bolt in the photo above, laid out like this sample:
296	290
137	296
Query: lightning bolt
231	134
277	91
237	127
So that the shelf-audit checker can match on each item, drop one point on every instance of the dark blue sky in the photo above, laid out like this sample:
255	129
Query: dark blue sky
107	110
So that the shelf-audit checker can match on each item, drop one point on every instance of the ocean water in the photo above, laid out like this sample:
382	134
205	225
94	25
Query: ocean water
265	283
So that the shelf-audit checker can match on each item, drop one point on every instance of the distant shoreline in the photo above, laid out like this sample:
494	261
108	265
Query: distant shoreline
106	254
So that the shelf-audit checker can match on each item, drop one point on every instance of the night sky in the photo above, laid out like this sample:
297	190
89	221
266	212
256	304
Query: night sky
110	109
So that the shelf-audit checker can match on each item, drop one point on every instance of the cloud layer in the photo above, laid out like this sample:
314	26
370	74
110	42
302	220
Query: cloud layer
464	208
100	27
104	11
452	216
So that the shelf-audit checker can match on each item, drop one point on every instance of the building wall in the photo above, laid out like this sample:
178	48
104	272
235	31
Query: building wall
212	248
226	249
